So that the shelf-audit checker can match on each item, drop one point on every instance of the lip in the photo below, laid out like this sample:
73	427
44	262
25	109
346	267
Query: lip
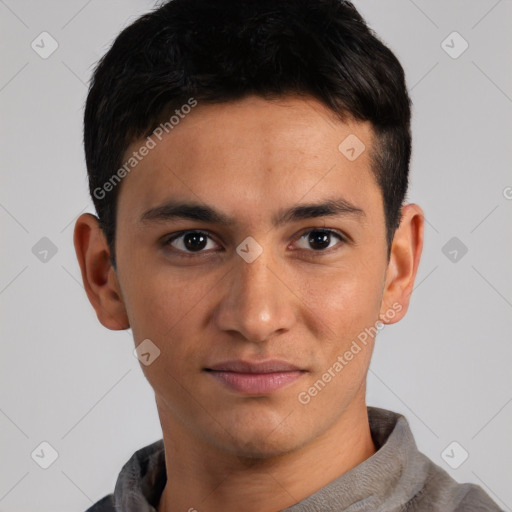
255	378
269	366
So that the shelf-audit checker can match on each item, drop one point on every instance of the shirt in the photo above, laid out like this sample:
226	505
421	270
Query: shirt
396	478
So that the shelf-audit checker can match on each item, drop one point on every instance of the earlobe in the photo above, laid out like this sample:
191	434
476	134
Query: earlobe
98	275
403	264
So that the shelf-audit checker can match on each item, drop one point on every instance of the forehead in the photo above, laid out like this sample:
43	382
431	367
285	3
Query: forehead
253	152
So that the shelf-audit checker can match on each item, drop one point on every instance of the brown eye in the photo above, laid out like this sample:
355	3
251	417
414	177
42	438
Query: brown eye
319	239
189	241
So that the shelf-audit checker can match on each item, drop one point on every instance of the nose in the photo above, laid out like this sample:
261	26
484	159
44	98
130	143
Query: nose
258	303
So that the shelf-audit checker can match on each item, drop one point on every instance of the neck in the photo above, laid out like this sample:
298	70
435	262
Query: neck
203	478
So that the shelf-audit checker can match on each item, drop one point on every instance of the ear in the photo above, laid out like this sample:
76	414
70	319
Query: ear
403	264
98	275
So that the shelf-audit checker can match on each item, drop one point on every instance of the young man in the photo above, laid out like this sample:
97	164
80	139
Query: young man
248	161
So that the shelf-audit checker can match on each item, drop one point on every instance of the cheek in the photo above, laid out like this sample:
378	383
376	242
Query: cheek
345	307
168	312
161	305
344	300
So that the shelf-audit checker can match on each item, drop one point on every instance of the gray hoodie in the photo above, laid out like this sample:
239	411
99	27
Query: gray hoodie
397	478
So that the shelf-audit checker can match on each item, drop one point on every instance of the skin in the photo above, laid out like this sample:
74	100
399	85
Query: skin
297	303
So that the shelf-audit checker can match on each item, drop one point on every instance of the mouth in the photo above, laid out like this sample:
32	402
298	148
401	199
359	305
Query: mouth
255	378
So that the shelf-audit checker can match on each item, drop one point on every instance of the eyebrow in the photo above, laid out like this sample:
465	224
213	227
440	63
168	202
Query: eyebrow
172	210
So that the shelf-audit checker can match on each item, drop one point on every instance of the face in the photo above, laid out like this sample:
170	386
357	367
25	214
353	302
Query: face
256	303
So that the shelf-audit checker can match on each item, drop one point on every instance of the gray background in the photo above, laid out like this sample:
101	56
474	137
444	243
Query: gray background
68	381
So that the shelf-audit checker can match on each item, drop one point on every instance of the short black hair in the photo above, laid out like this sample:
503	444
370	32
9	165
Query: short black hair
214	51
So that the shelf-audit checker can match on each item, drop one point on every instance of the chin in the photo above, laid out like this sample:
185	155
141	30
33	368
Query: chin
260	440
261	448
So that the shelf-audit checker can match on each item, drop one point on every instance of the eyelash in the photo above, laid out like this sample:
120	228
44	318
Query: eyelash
320	252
